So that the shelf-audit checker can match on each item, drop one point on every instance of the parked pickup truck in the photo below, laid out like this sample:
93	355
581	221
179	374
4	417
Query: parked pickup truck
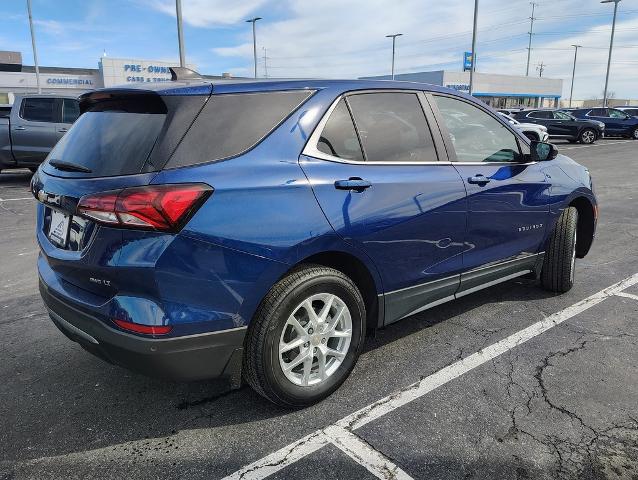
33	127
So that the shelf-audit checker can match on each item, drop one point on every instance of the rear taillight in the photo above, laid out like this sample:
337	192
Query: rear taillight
156	207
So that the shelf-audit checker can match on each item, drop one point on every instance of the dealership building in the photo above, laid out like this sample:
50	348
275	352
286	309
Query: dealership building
499	91
16	78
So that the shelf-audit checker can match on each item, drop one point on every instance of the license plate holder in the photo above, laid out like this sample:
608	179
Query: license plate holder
59	228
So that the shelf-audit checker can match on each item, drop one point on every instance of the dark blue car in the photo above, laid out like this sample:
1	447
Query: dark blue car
258	229
617	122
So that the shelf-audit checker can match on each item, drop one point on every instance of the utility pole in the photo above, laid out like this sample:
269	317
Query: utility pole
541	68
611	47
265	63
253	21
180	33
473	68
35	51
531	32
571	91
394	39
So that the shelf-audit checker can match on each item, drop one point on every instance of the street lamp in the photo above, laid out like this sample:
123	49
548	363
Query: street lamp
394	39
571	91
476	3
253	21
35	52
611	46
180	33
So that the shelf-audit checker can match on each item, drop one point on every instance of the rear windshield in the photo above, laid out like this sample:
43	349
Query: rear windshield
109	142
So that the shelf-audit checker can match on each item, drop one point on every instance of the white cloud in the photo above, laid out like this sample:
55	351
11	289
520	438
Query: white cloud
206	13
333	38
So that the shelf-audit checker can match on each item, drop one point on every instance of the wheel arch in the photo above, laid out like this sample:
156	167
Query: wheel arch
362	276
586	224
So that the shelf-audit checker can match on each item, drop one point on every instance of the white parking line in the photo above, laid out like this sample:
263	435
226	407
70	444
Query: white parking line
627	295
15	199
364	454
597	145
295	451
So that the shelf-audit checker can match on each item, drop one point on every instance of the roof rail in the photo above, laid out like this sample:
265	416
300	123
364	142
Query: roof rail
183	73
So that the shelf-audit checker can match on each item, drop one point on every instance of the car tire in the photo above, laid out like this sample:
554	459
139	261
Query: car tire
587	136
273	331
559	263
634	134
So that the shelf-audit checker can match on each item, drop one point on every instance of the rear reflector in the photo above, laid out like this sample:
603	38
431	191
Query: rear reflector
157	207
146	329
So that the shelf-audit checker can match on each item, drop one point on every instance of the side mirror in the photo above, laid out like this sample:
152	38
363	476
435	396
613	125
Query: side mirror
542	152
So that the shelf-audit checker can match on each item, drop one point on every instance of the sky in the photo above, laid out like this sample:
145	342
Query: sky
338	38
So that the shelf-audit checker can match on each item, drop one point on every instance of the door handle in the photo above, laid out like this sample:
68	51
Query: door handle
63	130
20	127
353	183
479	180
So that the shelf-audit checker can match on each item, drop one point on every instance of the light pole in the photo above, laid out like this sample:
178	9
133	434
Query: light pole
571	91
35	52
611	46
531	32
253	21
394	39
476	5
180	33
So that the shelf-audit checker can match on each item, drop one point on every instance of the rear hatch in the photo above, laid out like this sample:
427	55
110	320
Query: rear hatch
121	140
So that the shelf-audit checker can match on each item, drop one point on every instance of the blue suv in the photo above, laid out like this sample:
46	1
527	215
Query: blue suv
617	122
259	229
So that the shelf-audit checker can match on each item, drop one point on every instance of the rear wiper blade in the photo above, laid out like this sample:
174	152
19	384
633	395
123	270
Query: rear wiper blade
68	166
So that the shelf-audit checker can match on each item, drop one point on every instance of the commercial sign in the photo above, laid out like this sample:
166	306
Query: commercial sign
467	61
150	73
69	81
461	87
118	71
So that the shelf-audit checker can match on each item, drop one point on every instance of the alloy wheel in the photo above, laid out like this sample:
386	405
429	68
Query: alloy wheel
588	136
315	339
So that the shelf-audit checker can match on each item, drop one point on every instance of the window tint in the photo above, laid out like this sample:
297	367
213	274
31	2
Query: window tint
631	111
562	115
613	113
338	137
392	127
598	112
233	123
70	110
540	114
39	109
110	142
476	135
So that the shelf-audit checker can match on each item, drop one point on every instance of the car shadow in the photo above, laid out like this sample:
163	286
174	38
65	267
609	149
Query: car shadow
86	401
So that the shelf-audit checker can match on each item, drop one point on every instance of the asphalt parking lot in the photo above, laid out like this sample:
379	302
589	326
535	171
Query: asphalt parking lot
509	383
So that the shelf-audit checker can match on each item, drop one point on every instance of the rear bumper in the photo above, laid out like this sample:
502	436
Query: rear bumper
193	357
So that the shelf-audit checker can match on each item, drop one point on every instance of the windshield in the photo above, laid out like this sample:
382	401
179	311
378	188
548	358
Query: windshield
563	115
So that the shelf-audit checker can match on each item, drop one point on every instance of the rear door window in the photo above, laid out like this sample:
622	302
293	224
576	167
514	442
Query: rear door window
540	114
231	124
39	110
338	137
597	112
392	127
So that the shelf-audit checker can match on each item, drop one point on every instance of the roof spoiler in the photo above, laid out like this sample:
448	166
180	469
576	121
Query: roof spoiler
183	73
